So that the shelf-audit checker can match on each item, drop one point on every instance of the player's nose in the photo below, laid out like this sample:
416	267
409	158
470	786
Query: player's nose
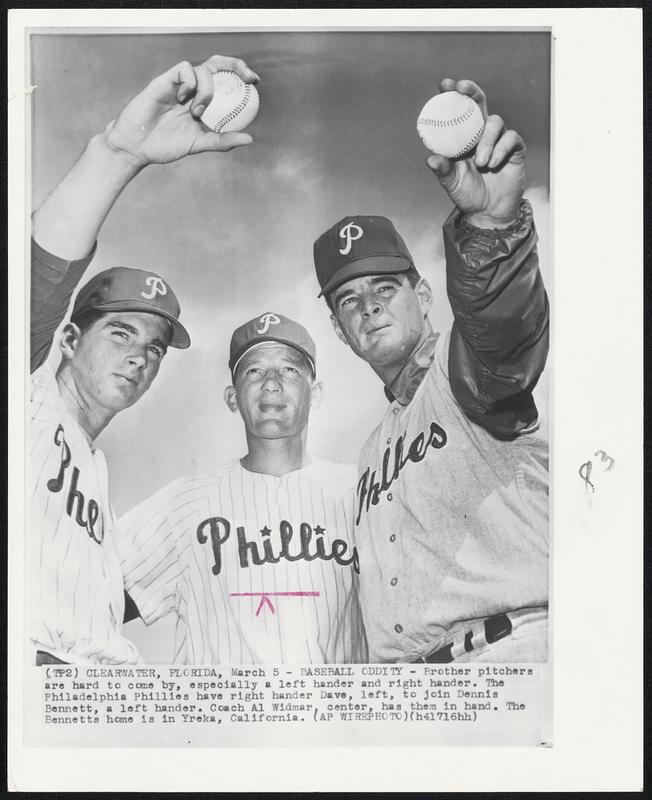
272	381
138	357
370	304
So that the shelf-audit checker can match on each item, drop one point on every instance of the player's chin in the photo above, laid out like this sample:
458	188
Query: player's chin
124	397
381	351
274	430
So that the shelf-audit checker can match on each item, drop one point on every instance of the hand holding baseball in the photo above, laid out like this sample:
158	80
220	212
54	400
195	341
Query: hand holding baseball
486	185
163	122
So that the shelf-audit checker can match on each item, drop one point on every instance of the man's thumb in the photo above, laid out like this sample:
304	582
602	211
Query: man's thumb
440	165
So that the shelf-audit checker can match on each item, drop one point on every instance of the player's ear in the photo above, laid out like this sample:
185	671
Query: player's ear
69	340
231	399
424	293
338	330
317	394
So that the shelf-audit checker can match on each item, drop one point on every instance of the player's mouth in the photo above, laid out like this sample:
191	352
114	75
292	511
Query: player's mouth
272	406
127	379
376	328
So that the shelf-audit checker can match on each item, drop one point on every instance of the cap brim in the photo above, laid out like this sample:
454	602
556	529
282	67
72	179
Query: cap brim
180	337
267	340
374	265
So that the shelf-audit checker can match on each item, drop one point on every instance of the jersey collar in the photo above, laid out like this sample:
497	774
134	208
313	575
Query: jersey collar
405	384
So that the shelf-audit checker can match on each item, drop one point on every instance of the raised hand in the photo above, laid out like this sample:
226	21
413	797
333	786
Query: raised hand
488	184
162	123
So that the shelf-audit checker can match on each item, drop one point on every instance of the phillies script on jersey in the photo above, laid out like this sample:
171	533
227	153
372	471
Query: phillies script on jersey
87	514
218	529
258	568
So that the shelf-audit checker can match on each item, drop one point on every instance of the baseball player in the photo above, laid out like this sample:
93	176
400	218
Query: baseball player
451	506
257	560
122	322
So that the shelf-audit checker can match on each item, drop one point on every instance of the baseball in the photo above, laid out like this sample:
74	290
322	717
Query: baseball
234	104
450	124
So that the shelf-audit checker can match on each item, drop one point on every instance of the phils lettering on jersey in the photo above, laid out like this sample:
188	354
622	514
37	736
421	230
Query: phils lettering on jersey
371	486
263	552
87	515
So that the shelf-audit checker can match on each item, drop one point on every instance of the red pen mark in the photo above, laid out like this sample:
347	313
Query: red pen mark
264	597
264	600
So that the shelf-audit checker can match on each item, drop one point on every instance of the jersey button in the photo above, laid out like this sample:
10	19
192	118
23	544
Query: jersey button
389	440
398	628
394	581
392	538
389	497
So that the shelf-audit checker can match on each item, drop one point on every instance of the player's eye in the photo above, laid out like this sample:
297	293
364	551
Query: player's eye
156	351
120	334
347	301
291	369
252	370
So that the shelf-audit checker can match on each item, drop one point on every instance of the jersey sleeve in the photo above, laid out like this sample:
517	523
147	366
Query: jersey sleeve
149	555
499	340
53	281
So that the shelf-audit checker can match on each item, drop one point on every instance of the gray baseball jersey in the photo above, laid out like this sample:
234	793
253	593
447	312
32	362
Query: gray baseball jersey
257	568
451	522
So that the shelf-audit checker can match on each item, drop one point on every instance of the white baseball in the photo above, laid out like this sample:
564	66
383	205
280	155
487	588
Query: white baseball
450	124
234	104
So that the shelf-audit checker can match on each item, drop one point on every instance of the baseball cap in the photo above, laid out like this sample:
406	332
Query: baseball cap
359	245
129	289
271	327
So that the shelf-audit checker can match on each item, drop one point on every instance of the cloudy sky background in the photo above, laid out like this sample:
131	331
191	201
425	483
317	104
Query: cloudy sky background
233	233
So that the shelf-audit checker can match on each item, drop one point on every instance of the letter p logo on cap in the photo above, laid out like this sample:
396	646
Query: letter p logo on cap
351	233
266	320
156	286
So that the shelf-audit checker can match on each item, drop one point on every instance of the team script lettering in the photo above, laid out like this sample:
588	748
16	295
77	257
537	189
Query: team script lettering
250	553
371	486
76	501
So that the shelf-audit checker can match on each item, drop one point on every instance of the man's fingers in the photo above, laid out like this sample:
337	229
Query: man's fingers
204	92
510	144
472	90
177	83
493	129
186	80
237	65
221	142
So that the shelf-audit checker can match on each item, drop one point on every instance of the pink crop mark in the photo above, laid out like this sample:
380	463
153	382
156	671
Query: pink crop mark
264	597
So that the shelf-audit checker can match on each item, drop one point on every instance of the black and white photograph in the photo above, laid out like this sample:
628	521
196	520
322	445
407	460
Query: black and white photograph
288	408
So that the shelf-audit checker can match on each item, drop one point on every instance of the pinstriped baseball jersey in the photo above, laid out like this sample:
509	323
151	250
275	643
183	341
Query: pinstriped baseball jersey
451	522
77	598
258	568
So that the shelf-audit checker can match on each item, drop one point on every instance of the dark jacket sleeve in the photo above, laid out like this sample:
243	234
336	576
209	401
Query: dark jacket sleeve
53	281
499	341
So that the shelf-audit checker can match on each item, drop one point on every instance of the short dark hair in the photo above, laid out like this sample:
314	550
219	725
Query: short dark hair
411	274
87	319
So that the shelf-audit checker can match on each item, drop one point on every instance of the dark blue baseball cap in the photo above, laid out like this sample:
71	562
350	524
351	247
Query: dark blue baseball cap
130	289
271	327
359	245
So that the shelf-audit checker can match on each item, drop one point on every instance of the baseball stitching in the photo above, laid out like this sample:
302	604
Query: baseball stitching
446	123
235	111
470	145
